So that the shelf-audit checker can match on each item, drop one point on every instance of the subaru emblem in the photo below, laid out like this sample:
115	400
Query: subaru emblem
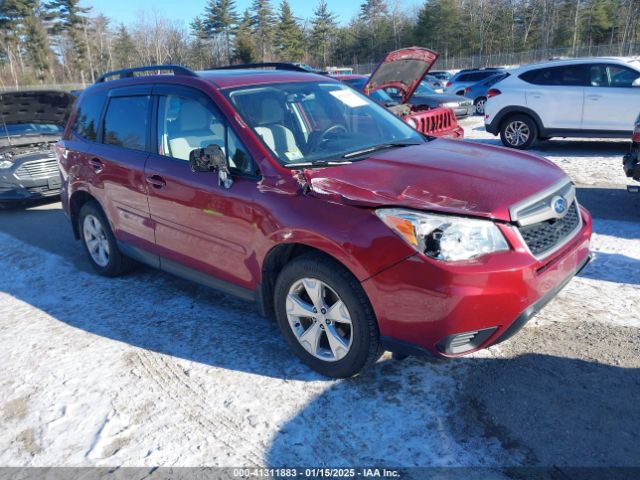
559	205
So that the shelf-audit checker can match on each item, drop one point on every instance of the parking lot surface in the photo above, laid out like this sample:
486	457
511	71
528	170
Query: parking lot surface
149	369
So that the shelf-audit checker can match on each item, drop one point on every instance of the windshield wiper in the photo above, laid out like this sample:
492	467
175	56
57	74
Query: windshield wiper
319	163
375	148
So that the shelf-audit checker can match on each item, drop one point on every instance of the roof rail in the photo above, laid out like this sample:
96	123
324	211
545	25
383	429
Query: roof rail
272	65
128	72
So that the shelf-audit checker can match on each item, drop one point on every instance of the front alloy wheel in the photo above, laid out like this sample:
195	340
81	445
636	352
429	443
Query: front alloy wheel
325	316
319	319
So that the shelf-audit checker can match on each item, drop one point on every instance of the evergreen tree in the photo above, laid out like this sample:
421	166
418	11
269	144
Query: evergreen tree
221	19
245	47
263	26
374	34
123	48
323	31
67	17
37	46
290	37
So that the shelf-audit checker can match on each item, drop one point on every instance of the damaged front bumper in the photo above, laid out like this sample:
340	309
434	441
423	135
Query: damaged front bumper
446	310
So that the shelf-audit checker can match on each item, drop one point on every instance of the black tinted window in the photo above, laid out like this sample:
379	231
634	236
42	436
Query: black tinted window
125	123
88	117
576	75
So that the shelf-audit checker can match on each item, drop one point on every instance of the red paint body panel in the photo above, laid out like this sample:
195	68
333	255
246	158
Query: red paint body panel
443	175
414	60
228	234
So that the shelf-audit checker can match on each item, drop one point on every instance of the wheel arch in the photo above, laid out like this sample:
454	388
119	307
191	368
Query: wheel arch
78	199
276	259
509	112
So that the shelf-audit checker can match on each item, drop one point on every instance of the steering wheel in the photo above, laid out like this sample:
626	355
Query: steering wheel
317	141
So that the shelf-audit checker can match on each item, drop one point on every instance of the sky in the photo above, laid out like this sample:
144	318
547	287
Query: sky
126	11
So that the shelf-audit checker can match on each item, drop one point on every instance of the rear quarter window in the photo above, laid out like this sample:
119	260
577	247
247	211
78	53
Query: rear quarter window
126	121
88	114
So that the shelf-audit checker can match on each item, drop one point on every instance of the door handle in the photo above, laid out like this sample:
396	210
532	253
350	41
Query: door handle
594	97
96	164
156	181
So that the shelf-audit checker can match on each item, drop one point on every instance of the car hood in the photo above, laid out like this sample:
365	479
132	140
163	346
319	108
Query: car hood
403	69
442	175
46	106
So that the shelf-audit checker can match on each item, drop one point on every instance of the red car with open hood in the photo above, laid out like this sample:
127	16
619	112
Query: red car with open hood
403	70
291	189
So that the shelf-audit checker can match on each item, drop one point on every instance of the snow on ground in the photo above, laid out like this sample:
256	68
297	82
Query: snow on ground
587	161
151	370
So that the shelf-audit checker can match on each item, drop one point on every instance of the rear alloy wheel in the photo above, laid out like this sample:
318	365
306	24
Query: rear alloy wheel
99	242
519	131
480	103
325	316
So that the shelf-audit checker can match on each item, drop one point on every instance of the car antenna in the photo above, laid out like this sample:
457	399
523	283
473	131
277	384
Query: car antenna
6	130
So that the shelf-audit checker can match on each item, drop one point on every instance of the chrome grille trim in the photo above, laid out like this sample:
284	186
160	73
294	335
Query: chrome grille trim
43	168
538	207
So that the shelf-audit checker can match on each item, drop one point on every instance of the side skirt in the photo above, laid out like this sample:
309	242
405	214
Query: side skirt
187	273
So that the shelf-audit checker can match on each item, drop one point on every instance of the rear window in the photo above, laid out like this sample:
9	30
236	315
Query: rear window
88	116
125	122
569	75
474	77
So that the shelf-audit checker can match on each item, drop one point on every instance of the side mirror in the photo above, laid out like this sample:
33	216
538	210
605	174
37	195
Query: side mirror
636	82
211	159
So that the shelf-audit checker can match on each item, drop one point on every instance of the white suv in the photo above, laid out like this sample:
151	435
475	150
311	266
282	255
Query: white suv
588	97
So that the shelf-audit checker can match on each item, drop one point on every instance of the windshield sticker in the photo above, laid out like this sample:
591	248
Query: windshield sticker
349	98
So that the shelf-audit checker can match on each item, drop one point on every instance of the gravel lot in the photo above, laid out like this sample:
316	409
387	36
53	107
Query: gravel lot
151	370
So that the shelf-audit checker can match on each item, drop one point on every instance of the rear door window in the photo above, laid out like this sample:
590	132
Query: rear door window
126	121
569	75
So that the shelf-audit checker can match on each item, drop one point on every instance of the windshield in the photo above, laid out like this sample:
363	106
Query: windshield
19	129
314	122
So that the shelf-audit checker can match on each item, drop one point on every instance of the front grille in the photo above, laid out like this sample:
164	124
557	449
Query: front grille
432	122
544	236
37	169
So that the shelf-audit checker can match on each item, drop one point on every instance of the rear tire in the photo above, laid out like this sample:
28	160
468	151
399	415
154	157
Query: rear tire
325	317
480	103
518	131
100	243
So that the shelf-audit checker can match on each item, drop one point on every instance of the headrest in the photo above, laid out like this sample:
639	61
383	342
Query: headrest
271	111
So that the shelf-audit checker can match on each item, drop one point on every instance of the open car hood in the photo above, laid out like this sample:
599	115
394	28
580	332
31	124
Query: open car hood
403	69
45	106
444	176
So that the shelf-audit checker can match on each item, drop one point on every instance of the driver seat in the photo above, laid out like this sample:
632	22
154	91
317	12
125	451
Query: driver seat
270	127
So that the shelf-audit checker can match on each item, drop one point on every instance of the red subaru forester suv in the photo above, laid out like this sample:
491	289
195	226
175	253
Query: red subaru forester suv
353	230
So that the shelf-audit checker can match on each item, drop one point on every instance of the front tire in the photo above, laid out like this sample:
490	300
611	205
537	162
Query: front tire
325	317
100	243
519	131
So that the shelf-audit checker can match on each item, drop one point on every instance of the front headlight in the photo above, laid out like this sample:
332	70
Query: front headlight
444	237
450	104
4	164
